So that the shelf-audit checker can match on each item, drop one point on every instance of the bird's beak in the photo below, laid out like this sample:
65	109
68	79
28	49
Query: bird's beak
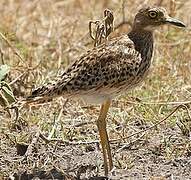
174	21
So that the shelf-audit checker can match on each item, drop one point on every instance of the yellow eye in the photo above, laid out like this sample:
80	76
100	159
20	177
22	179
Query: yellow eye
152	14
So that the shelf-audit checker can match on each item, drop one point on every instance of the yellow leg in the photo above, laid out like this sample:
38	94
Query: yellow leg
101	123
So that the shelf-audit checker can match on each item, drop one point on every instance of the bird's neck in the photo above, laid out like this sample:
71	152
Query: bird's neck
143	41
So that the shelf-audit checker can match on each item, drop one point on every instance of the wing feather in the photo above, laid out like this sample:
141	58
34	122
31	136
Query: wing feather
108	66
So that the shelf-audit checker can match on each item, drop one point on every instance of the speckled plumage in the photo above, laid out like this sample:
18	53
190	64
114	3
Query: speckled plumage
113	67
109	70
105	71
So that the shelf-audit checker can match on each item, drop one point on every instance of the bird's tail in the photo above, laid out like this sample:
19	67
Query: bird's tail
43	93
40	95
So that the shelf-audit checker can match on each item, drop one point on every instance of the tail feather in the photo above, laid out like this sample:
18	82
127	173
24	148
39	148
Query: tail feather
46	92
41	91
40	95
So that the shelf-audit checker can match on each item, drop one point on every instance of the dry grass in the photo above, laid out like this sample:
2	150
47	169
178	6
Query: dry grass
48	35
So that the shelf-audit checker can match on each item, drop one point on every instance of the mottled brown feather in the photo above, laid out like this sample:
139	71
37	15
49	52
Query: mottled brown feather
113	67
109	67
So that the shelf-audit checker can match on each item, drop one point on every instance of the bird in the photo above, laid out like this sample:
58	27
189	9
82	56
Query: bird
109	70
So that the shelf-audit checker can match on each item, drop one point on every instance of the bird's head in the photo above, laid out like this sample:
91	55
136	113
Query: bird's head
150	19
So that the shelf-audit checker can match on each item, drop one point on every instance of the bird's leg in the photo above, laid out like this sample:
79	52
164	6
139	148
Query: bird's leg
101	123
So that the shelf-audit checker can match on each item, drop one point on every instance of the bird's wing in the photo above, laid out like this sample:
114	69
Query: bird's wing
105	66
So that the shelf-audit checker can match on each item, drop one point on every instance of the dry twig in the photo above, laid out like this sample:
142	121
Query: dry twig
155	125
103	27
32	145
12	47
118	140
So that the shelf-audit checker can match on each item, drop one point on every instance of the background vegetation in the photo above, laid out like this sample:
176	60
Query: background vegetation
59	139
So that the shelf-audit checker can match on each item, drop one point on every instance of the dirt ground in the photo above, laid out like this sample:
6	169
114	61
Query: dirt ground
160	153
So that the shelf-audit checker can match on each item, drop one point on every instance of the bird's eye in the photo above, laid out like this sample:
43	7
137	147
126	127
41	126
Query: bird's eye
152	14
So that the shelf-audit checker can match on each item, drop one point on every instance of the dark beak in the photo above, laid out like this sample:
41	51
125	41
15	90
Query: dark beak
174	21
